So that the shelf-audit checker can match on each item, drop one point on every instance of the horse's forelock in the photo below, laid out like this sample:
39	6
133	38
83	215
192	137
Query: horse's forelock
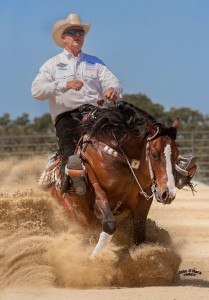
169	131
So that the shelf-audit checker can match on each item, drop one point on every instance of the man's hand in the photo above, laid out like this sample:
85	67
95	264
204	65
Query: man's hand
111	94
74	85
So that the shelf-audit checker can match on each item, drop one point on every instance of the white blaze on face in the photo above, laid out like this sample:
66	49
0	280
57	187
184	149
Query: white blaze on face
171	181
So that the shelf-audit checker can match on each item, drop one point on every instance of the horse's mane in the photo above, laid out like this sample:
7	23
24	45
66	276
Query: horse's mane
123	119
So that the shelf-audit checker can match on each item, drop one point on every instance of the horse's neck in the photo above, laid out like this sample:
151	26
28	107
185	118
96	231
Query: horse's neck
137	150
134	148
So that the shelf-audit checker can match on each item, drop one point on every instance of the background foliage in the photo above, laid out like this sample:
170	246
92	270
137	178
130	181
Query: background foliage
191	120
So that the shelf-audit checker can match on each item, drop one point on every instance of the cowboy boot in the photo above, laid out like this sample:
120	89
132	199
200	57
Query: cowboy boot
66	184
185	170
75	175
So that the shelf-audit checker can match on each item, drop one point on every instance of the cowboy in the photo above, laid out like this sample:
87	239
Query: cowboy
70	80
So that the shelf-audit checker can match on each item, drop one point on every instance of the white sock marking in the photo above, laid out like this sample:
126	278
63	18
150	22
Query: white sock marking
104	241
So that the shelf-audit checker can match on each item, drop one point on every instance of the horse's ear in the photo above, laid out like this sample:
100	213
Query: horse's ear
176	123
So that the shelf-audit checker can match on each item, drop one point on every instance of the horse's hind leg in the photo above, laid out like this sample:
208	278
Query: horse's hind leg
104	214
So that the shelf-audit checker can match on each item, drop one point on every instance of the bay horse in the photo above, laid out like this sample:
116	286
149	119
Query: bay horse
129	158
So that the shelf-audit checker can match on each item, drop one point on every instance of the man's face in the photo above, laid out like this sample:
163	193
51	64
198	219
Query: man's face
73	38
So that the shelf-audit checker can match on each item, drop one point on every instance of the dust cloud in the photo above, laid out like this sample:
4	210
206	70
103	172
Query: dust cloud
40	246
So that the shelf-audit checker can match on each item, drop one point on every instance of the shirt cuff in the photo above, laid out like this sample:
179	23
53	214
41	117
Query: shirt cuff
118	91
61	86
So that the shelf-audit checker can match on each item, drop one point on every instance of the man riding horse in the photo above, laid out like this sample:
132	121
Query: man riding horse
69	81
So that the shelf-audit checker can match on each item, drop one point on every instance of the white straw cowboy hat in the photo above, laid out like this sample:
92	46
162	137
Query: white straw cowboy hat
61	25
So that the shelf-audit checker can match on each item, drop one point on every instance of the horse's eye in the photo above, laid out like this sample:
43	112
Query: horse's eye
155	155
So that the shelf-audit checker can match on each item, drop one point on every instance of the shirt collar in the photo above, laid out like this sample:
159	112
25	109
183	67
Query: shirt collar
70	55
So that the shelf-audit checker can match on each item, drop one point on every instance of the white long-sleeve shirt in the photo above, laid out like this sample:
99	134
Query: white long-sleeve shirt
50	82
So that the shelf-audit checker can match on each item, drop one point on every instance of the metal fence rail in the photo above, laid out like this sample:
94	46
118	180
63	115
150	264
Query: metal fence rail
25	145
196	143
189	143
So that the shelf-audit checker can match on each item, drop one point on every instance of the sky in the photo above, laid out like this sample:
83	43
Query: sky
156	47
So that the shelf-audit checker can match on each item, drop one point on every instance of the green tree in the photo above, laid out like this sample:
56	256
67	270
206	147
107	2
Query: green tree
190	120
5	120
43	124
22	120
143	102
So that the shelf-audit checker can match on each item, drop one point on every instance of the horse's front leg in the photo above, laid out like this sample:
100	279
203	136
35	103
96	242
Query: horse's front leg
139	213
104	214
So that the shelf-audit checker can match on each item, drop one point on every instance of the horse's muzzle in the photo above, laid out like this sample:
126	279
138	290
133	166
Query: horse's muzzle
165	197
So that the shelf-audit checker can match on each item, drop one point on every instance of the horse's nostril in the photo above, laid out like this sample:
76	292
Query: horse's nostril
164	196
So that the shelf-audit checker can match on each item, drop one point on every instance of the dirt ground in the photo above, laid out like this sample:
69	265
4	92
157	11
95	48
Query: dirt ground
43	255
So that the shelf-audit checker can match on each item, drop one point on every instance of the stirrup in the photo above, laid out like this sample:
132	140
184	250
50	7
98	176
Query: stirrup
75	171
185	164
185	170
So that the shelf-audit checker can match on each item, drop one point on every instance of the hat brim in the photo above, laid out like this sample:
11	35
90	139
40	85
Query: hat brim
61	26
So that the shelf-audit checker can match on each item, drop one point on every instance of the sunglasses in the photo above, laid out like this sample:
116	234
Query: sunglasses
73	31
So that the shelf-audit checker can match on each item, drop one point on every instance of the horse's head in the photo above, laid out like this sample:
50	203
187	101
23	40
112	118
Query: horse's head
162	153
